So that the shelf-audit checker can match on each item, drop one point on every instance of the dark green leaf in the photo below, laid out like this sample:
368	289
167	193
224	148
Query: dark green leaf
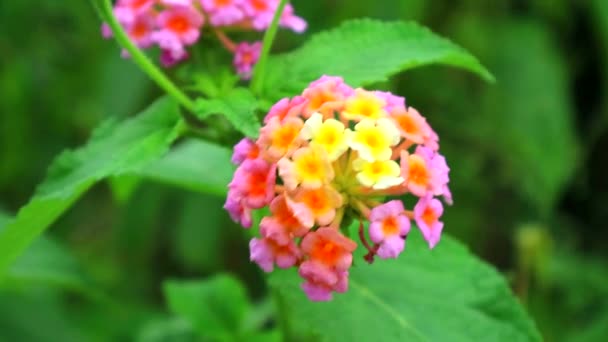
46	262
199	238
364	52
36	317
216	307
113	150
238	106
531	112
445	294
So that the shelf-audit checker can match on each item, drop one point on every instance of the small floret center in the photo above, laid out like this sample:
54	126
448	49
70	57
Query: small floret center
429	216
178	24
390	226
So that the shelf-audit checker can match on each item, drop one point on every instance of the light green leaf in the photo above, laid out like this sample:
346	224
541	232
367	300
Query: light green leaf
113	150
216	307
238	106
445	294
364	52
194	165
167	330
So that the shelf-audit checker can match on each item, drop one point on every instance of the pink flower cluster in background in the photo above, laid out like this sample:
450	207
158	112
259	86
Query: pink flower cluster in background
326	157
174	25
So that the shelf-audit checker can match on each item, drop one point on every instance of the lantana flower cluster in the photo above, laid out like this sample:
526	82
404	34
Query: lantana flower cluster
332	155
173	25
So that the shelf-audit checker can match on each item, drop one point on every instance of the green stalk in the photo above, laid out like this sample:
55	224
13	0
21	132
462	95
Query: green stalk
104	8
260	69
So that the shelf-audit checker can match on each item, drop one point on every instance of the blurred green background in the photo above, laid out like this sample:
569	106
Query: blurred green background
527	156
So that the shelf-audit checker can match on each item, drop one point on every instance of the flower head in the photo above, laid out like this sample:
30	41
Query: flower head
174	25
330	156
245	57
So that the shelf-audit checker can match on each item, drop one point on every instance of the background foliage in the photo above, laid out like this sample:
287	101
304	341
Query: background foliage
527	158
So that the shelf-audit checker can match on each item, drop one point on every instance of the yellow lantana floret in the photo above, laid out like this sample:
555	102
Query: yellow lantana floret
374	139
364	105
378	175
308	167
330	135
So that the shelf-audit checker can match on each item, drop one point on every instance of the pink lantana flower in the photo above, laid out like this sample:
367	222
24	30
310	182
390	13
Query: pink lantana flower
245	149
280	138
179	26
432	141
237	211
424	171
393	102
224	12
245	58
169	58
266	252
389	227
126	11
286	108
411	124
260	12
329	247
141	30
282	225
315	205
177	2
292	21
329	255
439	169
321	281
254	182
427	212
326	96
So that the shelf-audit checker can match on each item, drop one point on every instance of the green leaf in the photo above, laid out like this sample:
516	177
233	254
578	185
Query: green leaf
531	113
216	307
238	106
364	52
200	237
445	294
194	165
166	330
113	150
47	262
37	316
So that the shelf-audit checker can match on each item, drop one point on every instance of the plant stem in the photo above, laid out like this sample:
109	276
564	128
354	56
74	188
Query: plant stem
145	64
260	69
226	42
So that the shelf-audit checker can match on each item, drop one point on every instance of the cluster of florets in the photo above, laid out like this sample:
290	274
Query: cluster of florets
173	25
328	157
